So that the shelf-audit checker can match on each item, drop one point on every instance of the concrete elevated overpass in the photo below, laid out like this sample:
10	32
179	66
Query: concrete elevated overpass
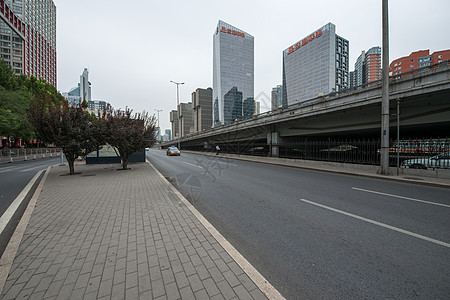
424	100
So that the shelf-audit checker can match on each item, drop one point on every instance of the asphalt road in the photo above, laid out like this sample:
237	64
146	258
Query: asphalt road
317	235
15	176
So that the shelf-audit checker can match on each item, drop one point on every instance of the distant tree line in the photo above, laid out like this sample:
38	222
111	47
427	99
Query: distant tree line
31	108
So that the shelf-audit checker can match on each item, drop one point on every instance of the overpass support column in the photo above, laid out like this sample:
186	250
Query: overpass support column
274	140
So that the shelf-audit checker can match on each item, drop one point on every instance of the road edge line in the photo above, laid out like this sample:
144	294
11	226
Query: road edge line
9	254
9	213
264	285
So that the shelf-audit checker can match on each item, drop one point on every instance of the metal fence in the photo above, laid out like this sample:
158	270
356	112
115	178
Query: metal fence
430	153
12	154
346	151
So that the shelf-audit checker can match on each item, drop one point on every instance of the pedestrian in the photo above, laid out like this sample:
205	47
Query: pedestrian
217	149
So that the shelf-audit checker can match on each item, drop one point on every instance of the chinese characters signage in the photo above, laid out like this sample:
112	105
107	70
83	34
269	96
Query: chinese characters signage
230	31
305	41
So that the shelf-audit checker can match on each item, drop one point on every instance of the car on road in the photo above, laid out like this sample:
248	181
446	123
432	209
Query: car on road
173	151
440	161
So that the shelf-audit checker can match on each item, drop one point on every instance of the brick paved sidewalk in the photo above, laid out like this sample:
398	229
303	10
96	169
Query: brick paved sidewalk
109	234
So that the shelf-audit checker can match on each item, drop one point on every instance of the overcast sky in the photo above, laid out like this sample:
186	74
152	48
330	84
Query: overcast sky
134	48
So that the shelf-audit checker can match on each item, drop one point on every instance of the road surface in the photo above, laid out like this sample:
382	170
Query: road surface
322	235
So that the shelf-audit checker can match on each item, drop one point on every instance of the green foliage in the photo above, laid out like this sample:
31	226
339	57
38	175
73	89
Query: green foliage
7	77
85	104
16	94
129	133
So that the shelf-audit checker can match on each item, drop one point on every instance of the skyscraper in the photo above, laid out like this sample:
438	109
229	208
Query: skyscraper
185	118
368	66
233	72
317	64
202	109
82	92
277	97
175	123
28	37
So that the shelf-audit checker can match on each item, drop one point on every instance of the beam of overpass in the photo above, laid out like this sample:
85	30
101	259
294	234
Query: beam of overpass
423	98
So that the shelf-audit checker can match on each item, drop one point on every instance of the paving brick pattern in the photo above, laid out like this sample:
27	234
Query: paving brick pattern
109	234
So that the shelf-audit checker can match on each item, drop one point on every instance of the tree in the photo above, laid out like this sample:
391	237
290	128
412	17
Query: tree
13	113
129	133
68	127
16	94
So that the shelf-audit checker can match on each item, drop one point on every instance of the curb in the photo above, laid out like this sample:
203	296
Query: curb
269	291
10	252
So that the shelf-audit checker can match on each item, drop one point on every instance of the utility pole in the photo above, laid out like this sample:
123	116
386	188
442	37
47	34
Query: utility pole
384	161
159	129
178	104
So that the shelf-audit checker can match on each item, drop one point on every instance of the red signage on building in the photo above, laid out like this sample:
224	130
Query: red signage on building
230	31
305	41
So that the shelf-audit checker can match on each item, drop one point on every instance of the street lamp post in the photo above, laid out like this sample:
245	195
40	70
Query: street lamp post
384	161
178	104
159	129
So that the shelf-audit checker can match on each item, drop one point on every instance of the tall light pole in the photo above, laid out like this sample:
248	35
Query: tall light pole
178	104
159	128
384	160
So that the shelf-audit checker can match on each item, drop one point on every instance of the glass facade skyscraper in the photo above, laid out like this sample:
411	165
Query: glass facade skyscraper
233	73
277	97
317	64
28	37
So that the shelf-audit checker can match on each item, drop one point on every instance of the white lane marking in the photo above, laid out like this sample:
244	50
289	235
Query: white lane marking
422	237
29	169
10	252
400	197
192	165
7	169
4	168
8	214
226	163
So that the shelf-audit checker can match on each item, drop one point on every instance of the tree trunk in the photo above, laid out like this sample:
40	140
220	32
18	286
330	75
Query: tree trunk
70	161
125	163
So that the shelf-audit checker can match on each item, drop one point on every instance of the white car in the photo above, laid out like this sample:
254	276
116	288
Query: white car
441	161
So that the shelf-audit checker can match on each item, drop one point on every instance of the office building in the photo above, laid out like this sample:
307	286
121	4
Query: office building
233	73
367	67
28	37
97	105
257	108
248	108
277	97
174	121
352	79
185	119
416	60
202	109
82	92
315	65
168	133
